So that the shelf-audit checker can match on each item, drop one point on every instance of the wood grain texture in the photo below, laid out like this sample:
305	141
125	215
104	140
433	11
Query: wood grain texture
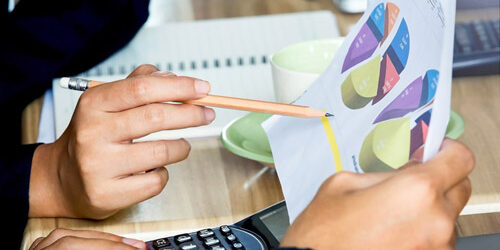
30	121
208	9
477	224
476	99
214	187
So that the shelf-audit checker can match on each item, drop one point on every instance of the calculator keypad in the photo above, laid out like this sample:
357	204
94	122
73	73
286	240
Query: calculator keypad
225	230
231	238
167	248
211	241
159	243
237	246
218	247
182	238
205	233
221	238
188	246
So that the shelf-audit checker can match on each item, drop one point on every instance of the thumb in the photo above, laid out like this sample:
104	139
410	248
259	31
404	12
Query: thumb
345	182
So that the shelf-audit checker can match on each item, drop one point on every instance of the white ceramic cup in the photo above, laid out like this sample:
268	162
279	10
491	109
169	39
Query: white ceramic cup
295	67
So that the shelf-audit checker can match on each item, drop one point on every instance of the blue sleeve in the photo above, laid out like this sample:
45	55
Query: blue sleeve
15	165
42	40
45	39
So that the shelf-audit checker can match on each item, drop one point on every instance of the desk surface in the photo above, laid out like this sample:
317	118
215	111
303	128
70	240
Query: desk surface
215	187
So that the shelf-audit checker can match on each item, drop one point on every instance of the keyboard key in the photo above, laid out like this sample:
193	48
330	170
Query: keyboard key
231	238
225	230
217	247
188	246
496	28
477	46
211	241
205	233
182	238
237	246
161	243
166	248
490	31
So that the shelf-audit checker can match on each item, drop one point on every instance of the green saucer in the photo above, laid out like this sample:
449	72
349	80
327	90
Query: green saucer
246	138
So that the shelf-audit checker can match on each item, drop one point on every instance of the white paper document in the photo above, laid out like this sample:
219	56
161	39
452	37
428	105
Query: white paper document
389	89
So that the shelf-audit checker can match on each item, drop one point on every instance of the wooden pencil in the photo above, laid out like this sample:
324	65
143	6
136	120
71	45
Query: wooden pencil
221	101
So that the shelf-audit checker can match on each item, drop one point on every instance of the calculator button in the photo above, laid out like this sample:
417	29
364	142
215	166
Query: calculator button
225	230
210	241
237	246
182	238
166	248
217	247
188	246
161	243
205	233
231	238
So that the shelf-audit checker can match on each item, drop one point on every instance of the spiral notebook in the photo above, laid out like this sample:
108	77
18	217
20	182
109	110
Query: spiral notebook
232	54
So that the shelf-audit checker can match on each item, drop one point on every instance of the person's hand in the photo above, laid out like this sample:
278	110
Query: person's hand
72	239
412	208
94	169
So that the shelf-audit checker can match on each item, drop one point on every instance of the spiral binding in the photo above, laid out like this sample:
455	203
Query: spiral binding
181	66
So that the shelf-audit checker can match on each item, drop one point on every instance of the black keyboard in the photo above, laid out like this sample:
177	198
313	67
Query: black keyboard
477	48
219	238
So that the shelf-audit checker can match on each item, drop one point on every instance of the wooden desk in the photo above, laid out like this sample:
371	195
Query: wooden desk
215	187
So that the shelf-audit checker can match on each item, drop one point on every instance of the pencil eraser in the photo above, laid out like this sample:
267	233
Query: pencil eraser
64	82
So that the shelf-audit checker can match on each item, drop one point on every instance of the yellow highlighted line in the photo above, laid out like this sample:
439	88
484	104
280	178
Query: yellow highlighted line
333	143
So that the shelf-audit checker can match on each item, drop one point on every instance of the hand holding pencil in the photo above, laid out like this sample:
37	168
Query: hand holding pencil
221	101
96	167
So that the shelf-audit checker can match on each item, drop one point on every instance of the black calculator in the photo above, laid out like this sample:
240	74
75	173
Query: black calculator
477	48
265	229
260	231
218	238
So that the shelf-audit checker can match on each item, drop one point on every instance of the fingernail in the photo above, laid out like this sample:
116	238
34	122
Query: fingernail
162	73
201	87
135	243
209	115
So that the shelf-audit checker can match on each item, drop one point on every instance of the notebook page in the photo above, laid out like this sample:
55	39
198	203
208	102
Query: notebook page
232	54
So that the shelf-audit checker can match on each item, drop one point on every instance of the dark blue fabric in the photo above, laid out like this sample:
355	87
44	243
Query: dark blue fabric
41	40
14	187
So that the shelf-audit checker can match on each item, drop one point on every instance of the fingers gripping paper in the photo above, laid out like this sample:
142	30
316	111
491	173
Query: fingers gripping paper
389	89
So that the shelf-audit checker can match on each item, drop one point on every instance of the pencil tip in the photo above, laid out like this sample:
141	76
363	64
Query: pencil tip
328	115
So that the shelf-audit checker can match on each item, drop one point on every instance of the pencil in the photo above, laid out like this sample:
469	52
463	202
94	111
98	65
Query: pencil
221	101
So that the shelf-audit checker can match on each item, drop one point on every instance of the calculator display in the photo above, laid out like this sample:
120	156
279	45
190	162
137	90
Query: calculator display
276	222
